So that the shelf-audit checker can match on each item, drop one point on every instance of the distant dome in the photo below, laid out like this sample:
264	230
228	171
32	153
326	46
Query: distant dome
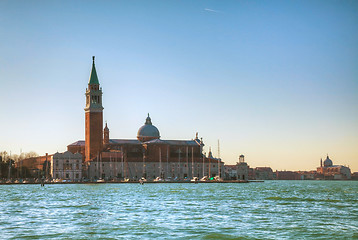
328	162
148	131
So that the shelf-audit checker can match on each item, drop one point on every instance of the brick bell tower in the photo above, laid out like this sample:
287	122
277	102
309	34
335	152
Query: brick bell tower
94	117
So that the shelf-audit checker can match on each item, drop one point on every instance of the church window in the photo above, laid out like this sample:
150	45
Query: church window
77	175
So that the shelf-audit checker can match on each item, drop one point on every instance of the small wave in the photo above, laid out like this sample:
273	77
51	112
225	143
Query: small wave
222	236
296	199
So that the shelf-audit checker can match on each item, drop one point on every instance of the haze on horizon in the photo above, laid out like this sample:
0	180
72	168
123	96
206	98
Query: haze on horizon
276	81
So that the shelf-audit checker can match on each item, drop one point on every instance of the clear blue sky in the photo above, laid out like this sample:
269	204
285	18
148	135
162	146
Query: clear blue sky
276	81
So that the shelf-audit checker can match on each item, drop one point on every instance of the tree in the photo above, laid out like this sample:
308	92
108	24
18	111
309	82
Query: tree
6	163
31	154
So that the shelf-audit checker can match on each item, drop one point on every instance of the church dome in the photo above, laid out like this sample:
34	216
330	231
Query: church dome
328	162
148	131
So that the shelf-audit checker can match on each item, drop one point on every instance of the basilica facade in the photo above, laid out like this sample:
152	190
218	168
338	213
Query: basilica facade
147	156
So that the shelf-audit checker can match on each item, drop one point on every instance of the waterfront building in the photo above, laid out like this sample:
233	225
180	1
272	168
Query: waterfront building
35	167
307	175
263	173
287	175
242	169
251	174
146	156
230	172
329	171
66	166
354	176
239	171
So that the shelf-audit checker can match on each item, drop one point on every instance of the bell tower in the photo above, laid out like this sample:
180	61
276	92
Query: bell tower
93	116
106	135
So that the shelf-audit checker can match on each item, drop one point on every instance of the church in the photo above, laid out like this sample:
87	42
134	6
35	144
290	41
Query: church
333	172
148	156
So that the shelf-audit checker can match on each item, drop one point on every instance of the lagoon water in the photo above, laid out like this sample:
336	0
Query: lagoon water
262	210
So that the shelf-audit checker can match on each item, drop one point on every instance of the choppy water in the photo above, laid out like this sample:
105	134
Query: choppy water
268	210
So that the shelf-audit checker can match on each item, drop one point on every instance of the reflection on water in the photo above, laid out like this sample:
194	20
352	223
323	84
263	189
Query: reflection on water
270	210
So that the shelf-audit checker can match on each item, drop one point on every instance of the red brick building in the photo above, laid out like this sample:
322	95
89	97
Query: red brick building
287	175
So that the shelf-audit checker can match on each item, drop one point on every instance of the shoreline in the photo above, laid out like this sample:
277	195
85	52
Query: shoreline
131	182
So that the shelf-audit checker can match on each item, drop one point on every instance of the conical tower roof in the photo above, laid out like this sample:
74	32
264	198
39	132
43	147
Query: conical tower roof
93	78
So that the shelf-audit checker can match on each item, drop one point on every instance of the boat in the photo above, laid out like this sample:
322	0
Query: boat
203	179
158	179
100	180
218	179
57	180
195	179
142	180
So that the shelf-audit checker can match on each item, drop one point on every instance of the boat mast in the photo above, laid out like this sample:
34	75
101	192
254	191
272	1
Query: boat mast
187	161
179	163
192	162
209	162
203	164
122	161
100	166
97	170
9	175
143	175
116	166
160	162
167	161
111	169
219	160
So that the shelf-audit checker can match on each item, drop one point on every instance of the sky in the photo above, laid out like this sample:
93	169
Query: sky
276	81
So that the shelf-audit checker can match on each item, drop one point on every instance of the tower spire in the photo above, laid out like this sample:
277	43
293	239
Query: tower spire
93	78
